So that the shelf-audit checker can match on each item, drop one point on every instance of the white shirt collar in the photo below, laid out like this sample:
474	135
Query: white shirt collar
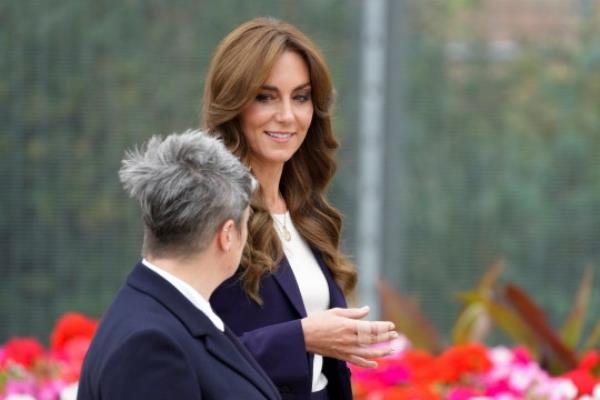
189	293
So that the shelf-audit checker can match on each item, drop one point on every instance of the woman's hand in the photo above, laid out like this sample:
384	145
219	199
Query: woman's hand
340	333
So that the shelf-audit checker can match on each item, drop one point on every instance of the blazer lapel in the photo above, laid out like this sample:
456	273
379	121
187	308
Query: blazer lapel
336	296
284	276
199	326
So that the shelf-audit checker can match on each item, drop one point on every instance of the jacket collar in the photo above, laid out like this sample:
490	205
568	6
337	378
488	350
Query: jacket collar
147	281
284	276
336	296
217	343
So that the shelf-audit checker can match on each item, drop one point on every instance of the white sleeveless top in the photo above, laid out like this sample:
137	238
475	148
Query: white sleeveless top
311	282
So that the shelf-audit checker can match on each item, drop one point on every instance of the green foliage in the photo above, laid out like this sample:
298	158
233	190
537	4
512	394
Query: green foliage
81	82
572	328
515	313
500	156
494	305
500	159
408	318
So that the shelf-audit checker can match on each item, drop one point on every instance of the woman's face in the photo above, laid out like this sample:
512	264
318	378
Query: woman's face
275	123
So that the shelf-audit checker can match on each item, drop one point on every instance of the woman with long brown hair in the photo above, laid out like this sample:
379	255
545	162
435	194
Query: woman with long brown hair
269	96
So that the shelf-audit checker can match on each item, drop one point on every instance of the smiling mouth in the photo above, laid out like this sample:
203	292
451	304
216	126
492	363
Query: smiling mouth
280	135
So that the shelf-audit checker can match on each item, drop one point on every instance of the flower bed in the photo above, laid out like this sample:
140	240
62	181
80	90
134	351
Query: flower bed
28	371
473	371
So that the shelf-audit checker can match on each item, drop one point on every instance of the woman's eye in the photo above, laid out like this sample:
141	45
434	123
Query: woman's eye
302	98
263	98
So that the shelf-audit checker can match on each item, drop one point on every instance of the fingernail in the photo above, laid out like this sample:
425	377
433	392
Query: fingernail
394	334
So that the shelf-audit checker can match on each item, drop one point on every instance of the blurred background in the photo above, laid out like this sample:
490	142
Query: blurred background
470	133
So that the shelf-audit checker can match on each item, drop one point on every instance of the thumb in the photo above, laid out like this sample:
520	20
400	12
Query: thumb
354	313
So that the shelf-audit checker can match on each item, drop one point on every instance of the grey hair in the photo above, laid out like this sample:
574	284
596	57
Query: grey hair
188	185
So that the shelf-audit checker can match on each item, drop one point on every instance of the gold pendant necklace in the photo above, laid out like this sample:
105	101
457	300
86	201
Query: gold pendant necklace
282	228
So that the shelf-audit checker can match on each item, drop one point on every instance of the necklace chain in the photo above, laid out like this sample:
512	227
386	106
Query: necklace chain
282	228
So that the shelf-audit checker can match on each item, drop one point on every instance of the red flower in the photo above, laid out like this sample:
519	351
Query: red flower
585	377
590	361
583	380
72	326
421	366
413	392
457	361
24	351
74	354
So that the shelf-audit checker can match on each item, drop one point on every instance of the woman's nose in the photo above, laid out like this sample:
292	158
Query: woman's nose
285	112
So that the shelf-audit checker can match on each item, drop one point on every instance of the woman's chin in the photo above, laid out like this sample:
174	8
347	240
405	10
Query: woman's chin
275	158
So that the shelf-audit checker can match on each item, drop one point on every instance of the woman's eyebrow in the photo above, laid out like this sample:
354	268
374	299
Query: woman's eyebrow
275	89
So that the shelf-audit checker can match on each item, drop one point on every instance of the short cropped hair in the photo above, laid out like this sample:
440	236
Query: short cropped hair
188	185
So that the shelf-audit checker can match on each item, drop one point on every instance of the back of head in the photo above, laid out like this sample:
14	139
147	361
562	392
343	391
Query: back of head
188	185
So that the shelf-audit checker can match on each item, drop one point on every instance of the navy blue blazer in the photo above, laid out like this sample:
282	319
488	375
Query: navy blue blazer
153	344
273	332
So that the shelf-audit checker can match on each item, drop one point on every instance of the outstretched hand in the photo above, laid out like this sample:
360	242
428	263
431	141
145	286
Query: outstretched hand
340	333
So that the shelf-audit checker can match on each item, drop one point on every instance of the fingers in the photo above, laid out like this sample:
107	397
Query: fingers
372	332
362	362
365	356
372	352
354	313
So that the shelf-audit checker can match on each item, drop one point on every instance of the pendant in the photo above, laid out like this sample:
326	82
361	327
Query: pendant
286	234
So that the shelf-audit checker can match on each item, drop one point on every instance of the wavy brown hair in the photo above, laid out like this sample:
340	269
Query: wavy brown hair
240	66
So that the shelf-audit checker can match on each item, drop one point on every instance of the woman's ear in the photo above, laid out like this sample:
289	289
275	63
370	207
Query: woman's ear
225	235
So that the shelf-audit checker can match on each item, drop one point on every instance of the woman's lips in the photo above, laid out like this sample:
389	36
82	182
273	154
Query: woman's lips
279	136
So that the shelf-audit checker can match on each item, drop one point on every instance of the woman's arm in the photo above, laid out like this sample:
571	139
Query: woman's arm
281	352
281	349
340	333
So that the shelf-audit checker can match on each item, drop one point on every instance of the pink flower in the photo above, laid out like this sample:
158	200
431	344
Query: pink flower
462	393
2	356
522	355
50	390
555	389
394	375
20	397
523	376
24	386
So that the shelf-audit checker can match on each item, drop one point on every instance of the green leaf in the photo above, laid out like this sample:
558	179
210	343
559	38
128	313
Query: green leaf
473	296
405	313
3	380
504	317
511	324
572	328
489	279
472	325
594	339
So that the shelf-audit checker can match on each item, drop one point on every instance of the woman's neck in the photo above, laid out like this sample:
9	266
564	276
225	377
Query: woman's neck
269	177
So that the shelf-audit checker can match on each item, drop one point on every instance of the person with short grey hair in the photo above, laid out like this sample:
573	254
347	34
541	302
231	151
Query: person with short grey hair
187	185
160	338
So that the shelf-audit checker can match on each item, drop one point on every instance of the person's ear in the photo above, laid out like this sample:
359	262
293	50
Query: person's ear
226	234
